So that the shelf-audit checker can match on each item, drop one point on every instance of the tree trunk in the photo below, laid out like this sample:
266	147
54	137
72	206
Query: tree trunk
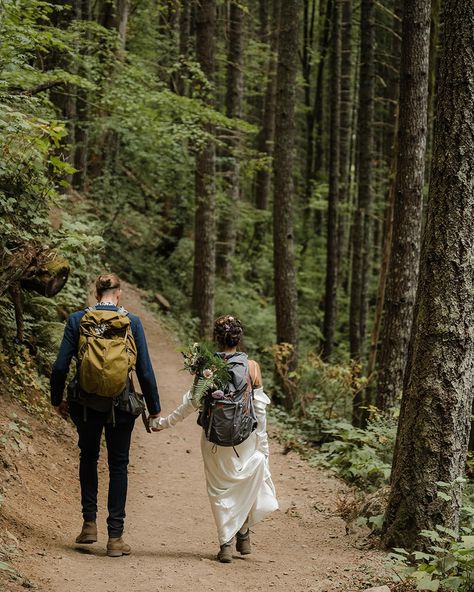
410	173
234	97
361	233
307	66
330	299
286	300
82	115
106	15
324	40
434	42
345	136
63	98
438	387
113	14
471	436
123	11
204	237
266	136
184	34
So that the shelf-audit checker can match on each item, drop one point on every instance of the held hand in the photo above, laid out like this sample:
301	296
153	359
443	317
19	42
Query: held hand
62	409
154	423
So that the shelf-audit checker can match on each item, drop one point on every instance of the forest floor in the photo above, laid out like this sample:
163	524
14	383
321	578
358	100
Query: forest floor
302	547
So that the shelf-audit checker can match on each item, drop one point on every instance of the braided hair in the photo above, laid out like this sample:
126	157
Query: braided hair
227	331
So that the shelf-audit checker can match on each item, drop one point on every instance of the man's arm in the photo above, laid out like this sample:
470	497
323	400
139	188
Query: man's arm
144	369
61	366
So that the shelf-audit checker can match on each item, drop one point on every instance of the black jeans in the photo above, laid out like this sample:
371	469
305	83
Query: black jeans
117	438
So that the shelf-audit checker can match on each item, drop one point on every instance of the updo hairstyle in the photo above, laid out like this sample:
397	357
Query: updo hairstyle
106	282
227	331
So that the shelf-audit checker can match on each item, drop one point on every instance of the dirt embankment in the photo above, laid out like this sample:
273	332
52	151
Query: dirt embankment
302	547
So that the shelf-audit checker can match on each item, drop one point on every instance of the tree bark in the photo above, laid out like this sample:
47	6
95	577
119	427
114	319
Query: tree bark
123	11
286	299
309	13
330	299
82	115
324	40
267	133
438	387
434	42
113	14
346	99
361	233
184	37
204	229
409	180
234	97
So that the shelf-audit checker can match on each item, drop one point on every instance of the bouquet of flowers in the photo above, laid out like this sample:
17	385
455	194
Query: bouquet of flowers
210	370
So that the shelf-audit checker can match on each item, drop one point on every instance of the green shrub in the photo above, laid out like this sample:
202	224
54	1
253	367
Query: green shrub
448	564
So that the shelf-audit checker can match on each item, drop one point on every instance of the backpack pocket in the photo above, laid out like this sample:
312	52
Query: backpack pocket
228	424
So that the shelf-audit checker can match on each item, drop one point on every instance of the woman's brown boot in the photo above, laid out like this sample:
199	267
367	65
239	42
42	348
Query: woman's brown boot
225	553
243	543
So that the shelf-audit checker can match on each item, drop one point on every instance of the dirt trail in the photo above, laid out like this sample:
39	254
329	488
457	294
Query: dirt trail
302	547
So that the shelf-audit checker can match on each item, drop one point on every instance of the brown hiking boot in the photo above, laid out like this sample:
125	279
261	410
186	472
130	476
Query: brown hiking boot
88	533
116	547
243	543
225	553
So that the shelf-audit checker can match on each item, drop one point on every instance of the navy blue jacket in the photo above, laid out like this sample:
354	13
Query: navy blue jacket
69	348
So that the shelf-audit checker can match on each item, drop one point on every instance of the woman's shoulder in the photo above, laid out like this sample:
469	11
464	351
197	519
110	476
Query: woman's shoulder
255	373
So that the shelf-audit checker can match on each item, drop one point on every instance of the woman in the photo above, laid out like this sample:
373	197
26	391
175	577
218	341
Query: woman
239	483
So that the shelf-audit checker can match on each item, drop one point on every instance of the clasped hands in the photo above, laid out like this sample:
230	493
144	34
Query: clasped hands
155	423
154	420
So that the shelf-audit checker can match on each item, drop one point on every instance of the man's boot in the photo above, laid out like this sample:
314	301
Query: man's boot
88	533
116	547
243	543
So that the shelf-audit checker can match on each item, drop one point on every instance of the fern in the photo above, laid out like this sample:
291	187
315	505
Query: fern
200	388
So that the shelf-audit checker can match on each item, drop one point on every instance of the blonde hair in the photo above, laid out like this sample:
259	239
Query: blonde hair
106	282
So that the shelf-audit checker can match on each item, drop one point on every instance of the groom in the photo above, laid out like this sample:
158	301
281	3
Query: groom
92	414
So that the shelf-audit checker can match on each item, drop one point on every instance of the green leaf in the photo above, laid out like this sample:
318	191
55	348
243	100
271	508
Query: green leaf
445	530
377	521
5	566
420	555
468	541
452	583
424	582
443	496
400	550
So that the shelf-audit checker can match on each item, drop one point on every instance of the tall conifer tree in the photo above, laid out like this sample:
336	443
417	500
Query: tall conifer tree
205	224
286	299
438	387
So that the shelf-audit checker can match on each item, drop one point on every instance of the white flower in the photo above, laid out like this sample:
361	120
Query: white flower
208	373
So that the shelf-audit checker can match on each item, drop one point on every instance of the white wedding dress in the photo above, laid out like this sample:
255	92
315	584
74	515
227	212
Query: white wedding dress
239	487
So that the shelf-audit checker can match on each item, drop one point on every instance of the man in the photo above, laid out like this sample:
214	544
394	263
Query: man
92	414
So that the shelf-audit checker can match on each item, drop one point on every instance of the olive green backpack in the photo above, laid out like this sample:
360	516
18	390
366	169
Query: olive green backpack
107	351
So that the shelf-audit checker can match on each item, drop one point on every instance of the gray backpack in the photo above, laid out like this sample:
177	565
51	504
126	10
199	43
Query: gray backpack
228	416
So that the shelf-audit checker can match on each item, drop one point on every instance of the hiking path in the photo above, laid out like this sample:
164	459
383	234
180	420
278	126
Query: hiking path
302	547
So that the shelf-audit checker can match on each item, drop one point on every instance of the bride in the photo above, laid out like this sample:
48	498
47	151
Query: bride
239	484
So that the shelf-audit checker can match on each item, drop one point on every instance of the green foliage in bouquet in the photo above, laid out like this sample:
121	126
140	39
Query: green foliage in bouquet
210	370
